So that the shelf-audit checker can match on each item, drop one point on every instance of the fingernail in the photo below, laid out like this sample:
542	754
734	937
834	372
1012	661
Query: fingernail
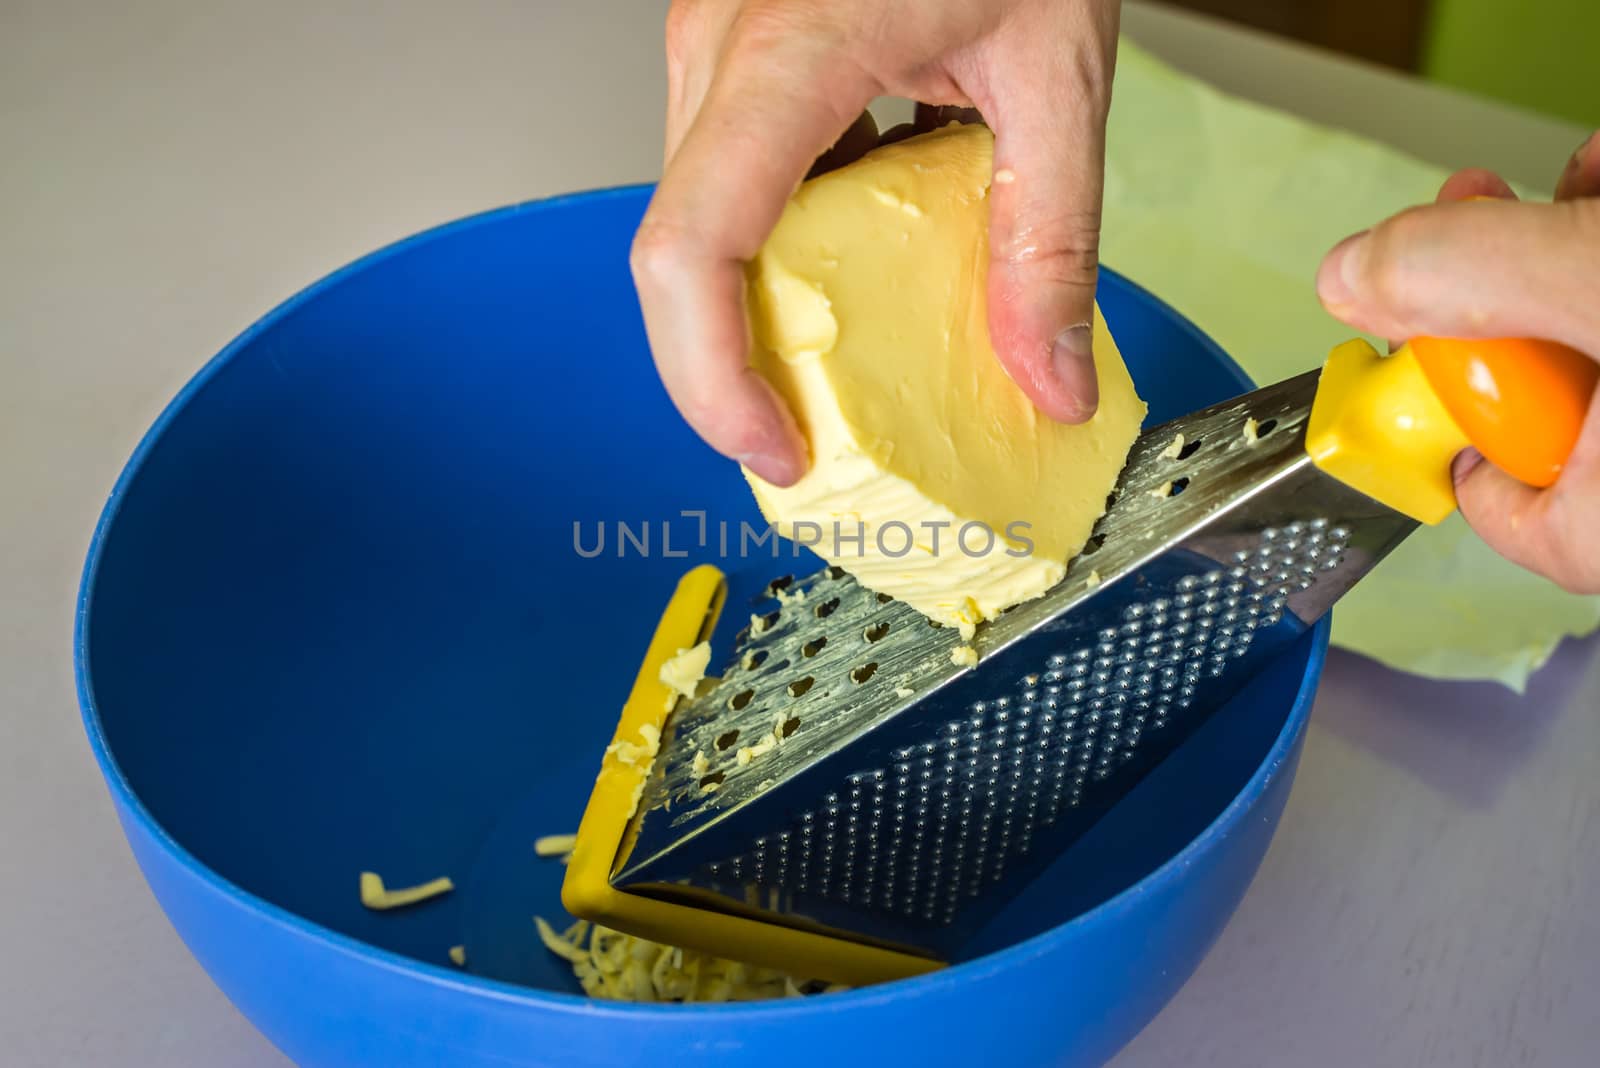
1336	281
1464	463
1072	360
762	464
770	467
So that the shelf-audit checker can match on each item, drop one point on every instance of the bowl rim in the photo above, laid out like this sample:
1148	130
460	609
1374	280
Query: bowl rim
986	966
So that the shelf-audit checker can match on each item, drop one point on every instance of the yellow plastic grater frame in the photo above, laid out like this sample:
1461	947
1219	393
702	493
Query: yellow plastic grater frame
605	834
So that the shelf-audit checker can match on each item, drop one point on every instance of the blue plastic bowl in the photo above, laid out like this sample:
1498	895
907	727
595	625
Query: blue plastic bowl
333	620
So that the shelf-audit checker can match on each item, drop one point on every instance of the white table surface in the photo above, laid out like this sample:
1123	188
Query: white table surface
170	170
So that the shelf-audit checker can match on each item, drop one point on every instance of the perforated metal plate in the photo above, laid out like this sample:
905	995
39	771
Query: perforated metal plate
845	772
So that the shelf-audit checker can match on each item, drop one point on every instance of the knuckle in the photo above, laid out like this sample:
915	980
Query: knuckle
760	23
1386	270
658	252
762	28
684	21
1063	251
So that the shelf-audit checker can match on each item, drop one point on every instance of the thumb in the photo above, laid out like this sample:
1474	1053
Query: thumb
1499	509
1494	268
1049	114
1548	531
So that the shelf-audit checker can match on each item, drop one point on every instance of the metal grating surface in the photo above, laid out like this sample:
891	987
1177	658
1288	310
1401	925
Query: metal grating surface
844	772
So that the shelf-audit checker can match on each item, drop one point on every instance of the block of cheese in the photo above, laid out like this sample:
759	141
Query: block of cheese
933	478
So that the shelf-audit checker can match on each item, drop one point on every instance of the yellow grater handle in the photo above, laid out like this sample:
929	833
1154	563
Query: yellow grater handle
1390	426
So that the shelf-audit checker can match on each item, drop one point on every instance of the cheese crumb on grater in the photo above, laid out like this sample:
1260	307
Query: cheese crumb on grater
631	753
683	672
760	749
790	596
968	616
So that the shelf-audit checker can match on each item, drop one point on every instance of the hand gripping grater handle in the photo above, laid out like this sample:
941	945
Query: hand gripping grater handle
844	774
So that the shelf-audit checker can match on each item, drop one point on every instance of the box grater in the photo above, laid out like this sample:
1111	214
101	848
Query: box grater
844	781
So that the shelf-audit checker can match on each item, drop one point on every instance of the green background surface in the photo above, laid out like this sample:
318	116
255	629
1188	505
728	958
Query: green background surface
1539	54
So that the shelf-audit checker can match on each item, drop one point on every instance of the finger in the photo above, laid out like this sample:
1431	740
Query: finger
1475	182
739	162
1484	269
1581	178
1467	185
857	141
1048	108
1546	531
695	32
1499	509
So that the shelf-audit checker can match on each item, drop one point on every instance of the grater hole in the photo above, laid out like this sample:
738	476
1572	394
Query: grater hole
1111	500
770	620
789	726
1265	427
1094	544
800	687
813	647
741	699
1178	486
835	571
864	672
728	739
716	778
884	598
1191	447
825	609
783	582
754	659
875	632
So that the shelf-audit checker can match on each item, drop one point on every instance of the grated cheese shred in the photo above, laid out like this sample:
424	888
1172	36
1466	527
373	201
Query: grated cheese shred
555	845
613	966
374	895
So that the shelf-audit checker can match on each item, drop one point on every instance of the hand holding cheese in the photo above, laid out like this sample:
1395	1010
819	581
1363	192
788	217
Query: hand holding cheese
758	89
933	477
1486	270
